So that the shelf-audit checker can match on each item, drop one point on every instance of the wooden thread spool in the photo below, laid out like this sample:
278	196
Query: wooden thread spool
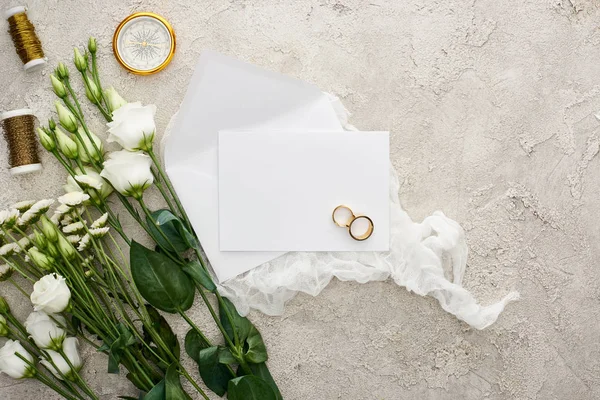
27	44
19	132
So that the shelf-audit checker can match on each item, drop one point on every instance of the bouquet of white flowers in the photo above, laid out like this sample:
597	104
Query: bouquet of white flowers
82	285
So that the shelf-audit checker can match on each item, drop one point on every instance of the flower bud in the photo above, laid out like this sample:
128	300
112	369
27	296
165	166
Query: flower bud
80	61
4	308
92	92
67	146
49	229
92	45
66	248
66	117
87	150
51	124
62	71
113	99
3	327
46	141
40	259
40	240
52	250
59	88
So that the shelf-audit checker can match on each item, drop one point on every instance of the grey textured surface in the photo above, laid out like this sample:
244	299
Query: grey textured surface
490	104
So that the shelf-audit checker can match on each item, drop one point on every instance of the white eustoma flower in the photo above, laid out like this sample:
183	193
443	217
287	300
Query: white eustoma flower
71	185
45	331
11	364
76	227
73	198
128	172
23	205
98	233
8	218
51	294
133	126
59	366
100	222
113	99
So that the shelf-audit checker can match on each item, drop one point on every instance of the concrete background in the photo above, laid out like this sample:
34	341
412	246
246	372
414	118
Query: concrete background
491	105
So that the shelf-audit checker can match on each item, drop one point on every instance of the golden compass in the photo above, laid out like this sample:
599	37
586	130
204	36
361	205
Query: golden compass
144	43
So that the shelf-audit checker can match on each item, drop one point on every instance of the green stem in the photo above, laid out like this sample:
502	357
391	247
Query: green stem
167	181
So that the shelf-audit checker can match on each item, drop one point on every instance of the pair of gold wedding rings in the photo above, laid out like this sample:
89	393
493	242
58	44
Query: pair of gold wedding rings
351	220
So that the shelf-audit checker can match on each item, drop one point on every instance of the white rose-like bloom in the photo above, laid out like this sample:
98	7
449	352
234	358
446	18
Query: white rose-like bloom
73	198
133	126
71	185
128	172
70	349
11	364
51	294
44	330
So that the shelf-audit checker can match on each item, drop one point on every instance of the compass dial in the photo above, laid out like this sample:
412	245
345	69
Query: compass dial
144	43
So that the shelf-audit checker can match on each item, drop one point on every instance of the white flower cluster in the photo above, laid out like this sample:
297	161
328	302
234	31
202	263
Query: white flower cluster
47	329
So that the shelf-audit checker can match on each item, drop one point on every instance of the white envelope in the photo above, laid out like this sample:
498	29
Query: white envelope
225	93
278	190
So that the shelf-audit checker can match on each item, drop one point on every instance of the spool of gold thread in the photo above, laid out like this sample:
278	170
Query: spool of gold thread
27	44
18	127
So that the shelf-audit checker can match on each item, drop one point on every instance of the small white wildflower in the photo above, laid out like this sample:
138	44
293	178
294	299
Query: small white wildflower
27	259
62	209
67	220
55	218
100	222
73	239
23	205
9	249
8	218
75	227
5	272
73	198
84	242
99	232
42	206
25	243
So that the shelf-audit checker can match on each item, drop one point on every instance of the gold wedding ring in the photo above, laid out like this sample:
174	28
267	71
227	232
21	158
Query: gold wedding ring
351	220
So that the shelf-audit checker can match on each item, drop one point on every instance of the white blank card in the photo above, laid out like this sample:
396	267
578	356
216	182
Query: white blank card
278	189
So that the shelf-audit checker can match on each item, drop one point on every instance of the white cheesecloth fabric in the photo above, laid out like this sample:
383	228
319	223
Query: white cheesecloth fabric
416	260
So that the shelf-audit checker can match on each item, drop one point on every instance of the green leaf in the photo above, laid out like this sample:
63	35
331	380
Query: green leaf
174	237
257	351
242	324
158	392
160	325
262	371
114	359
249	387
225	356
174	391
194	343
196	272
214	375
160	281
